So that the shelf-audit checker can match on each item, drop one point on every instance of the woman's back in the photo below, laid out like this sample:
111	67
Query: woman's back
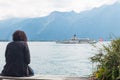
15	52
17	59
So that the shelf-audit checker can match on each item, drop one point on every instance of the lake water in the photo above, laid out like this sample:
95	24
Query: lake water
49	58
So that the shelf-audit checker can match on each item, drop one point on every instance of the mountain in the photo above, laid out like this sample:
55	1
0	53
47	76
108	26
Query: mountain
96	23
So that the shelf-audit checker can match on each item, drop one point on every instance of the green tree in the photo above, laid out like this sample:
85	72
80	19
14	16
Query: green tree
108	61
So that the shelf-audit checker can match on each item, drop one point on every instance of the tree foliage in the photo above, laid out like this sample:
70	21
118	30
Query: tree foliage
108	61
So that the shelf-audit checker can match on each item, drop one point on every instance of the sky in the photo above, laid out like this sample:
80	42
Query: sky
39	8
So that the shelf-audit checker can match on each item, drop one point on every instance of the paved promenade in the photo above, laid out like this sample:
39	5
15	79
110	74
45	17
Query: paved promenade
44	77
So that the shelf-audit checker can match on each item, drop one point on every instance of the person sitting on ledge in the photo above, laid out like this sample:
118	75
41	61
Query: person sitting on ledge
17	57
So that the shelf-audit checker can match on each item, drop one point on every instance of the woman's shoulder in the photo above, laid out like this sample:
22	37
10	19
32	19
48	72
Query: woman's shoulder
18	42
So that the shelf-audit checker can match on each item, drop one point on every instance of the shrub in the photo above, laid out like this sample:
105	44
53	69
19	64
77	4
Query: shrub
108	61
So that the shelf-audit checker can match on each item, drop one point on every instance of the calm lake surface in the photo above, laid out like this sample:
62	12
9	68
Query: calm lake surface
49	58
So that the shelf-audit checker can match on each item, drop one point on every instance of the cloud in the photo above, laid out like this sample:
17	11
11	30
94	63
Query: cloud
37	8
80	5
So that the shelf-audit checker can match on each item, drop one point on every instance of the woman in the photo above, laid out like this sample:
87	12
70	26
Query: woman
17	57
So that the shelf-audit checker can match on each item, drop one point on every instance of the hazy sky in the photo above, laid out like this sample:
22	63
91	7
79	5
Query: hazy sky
37	8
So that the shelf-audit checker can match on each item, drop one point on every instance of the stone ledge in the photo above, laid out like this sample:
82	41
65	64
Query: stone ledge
45	77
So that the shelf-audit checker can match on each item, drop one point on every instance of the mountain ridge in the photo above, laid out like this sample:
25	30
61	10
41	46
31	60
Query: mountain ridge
94	24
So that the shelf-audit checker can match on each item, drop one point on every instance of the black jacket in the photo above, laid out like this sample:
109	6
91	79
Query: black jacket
17	59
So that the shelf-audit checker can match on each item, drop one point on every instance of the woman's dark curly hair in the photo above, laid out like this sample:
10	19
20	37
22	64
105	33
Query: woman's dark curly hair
19	36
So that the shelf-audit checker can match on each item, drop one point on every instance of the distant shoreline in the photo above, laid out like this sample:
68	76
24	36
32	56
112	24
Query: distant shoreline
31	40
